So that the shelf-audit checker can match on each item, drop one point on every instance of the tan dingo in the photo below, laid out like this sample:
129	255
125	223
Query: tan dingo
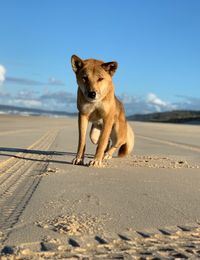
98	104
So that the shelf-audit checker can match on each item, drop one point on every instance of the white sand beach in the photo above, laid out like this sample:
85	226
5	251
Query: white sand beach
144	205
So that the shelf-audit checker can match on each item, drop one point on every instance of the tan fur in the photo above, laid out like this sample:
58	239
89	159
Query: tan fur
104	110
128	146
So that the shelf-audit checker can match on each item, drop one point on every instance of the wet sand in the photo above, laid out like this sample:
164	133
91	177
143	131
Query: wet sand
132	206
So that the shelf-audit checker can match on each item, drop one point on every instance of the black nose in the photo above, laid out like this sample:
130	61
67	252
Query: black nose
91	94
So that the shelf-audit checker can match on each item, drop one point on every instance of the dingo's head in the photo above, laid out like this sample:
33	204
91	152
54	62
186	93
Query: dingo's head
94	77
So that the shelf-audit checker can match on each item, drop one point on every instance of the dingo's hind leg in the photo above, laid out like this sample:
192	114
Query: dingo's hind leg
117	138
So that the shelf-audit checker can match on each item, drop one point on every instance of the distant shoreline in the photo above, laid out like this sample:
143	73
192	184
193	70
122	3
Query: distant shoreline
24	111
177	117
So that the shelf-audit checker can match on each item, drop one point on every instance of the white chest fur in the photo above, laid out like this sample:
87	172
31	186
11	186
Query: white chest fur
89	108
94	110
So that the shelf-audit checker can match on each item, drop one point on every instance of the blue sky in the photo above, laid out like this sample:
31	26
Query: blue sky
156	43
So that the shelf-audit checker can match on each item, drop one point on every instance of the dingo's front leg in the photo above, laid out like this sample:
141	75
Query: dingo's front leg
82	126
103	142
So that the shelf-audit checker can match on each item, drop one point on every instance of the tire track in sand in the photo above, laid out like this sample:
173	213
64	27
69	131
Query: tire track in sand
171	143
15	132
19	178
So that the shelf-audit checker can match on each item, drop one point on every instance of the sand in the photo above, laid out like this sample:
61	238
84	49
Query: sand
145	205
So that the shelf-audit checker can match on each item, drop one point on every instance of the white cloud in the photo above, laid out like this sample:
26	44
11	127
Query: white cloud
158	104
143	105
59	100
2	74
154	100
188	103
31	103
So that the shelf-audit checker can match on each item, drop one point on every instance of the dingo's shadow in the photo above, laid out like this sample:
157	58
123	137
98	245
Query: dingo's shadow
48	159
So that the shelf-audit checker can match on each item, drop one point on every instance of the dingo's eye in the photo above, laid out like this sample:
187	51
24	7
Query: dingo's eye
100	79
85	78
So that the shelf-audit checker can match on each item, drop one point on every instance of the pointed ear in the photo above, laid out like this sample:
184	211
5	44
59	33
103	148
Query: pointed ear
110	67
77	63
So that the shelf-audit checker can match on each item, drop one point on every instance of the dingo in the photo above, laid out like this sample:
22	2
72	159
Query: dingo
98	104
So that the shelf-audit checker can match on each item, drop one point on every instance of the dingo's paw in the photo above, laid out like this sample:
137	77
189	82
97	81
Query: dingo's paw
107	156
95	163
77	161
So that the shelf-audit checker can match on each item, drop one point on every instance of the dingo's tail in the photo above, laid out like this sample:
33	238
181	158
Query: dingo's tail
127	148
